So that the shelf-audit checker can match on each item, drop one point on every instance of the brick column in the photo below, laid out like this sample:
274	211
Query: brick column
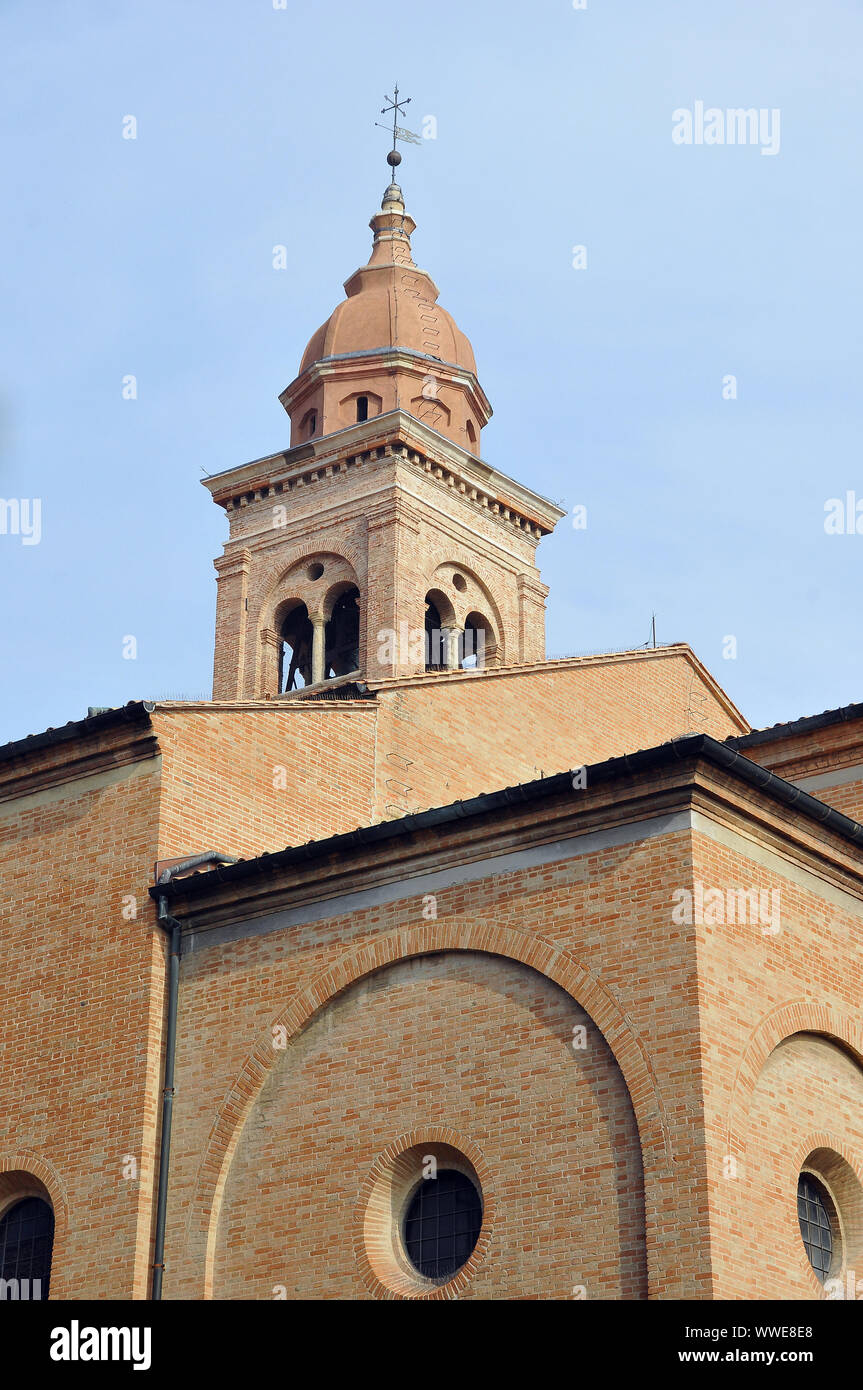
531	620
271	644
229	662
391	598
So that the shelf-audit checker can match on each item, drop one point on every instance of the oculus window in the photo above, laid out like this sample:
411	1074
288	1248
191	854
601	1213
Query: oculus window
442	1224
818	1221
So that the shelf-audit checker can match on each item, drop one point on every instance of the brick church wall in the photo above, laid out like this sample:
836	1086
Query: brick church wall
774	1089
80	1028
484	1052
249	780
478	1044
826	761
456	736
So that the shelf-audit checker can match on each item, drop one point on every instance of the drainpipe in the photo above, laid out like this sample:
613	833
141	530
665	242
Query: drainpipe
170	925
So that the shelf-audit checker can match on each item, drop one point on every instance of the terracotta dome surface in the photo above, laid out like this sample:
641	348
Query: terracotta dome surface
391	302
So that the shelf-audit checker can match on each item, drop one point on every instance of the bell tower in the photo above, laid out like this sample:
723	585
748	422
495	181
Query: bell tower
379	544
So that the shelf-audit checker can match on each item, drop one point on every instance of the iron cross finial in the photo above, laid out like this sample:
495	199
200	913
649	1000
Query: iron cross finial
399	133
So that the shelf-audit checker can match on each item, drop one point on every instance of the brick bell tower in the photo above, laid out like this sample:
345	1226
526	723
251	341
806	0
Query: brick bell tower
379	544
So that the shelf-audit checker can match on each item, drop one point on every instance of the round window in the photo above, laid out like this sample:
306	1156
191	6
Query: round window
425	1218
460	582
315	570
819	1224
442	1223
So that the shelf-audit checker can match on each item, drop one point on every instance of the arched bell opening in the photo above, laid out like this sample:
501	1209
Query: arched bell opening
295	651
477	646
342	635
439	624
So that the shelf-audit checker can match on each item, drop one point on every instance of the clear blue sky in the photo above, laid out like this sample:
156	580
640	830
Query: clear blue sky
153	257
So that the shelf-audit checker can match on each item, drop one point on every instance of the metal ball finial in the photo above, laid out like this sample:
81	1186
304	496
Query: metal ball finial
397	108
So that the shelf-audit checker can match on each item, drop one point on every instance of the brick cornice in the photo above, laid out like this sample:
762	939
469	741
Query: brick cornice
400	434
88	748
233	562
75	763
347	864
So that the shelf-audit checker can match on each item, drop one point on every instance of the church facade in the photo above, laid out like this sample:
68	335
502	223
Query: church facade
413	964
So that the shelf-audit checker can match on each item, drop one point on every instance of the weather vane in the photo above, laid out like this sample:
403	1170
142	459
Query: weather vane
399	132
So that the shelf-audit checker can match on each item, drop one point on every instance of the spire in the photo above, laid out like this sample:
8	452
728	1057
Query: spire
389	345
392	227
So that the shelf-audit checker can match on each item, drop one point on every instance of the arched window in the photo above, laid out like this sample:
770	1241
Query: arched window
26	1244
436	639
308	424
440	623
295	656
362	408
342	636
476	645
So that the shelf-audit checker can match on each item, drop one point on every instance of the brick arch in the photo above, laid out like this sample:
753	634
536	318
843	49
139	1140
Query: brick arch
455	555
47	1183
845	1189
23	1161
373	1271
559	966
795	1016
266	613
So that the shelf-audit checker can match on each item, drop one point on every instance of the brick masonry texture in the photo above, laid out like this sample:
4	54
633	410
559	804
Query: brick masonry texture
254	777
704	1042
376	1050
574	1117
417	988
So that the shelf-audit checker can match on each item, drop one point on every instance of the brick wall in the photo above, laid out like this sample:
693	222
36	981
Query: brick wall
249	780
475	1043
80	1027
462	1027
451	737
774	1090
464	1037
